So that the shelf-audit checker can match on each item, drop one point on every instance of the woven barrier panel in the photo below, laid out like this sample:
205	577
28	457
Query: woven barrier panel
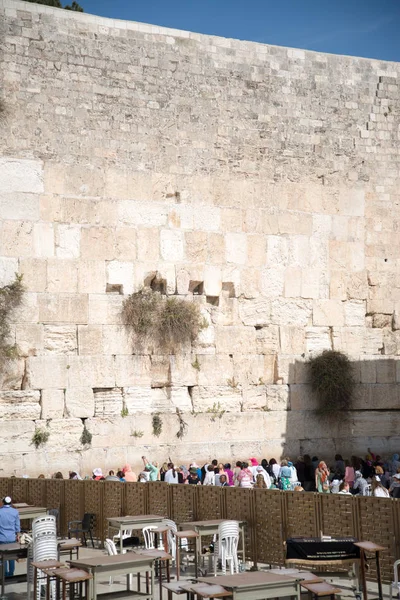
377	523
268	531
182	503
135	499
5	486
74	493
19	491
93	504
338	514
113	491
301	514
37	492
209	503
158	498
239	506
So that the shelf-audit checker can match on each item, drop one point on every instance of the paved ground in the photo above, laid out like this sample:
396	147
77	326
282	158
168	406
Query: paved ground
19	591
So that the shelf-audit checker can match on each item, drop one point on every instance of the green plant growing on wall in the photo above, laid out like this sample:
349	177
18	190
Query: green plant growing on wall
183	426
124	411
86	437
168	321
157	425
137	433
332	382
216	411
196	364
57	4
40	437
232	383
11	296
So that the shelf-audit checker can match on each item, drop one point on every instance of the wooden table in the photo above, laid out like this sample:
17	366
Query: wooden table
204	528
135	523
375	549
31	512
189	534
11	552
117	564
256	585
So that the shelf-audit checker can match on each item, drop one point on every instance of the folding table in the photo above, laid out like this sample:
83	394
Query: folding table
137	522
256	585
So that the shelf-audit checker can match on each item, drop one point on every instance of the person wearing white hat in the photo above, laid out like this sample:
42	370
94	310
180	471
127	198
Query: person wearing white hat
9	529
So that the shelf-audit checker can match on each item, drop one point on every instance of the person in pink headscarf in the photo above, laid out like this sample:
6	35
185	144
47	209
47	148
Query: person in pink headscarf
129	475
253	464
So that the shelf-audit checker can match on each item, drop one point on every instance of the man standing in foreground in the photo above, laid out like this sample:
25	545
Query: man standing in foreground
9	529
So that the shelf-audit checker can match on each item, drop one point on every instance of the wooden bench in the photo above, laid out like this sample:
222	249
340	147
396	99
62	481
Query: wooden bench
319	590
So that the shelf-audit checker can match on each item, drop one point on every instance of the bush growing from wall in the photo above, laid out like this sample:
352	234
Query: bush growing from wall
332	381
10	299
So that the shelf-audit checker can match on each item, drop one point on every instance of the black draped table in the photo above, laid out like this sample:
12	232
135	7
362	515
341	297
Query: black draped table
312	549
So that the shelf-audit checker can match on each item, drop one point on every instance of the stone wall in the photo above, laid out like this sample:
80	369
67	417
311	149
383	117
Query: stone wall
258	181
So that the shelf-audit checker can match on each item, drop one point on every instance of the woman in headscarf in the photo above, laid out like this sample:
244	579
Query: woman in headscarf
98	474
285	474
245	476
322	478
128	473
377	488
360	484
293	477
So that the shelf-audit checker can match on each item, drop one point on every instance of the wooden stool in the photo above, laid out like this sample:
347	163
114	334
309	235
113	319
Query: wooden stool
46	566
318	590
204	590
70	546
189	535
72	577
175	588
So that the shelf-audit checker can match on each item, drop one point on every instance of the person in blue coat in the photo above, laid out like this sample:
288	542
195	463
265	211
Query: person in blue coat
9	529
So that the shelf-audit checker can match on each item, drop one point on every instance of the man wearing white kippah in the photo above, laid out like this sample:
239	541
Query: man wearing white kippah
9	529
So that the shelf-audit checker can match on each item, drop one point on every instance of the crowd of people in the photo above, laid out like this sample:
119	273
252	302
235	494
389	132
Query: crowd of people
369	476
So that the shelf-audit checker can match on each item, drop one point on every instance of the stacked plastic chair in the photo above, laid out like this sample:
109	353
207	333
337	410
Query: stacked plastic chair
225	548
44	547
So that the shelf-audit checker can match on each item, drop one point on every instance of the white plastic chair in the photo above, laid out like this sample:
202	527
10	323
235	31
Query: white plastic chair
395	587
111	548
368	490
45	547
149	537
126	533
225	548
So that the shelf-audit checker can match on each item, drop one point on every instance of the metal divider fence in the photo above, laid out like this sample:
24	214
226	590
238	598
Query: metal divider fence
272	516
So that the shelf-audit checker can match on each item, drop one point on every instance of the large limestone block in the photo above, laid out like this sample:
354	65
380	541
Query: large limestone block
44	372
252	369
354	313
311	284
97	243
385	370
346	256
212	280
328	313
8	268
208	218
182	371
105	309
277	251
148	244
302	398
43	240
62	275
216	398
376	397
231	219
318	339
27	311
181	216
79	402
256	250
67	308
236	248
20	404
290	369
299	252
91	277
160	371
125	243
67	241
352	201
19	206
287	311
90	340
142	214
368	368
216	249
21	175
108	402
29	338
60	339
235	340
181	399
277	397
215	370
117	339
267	340
196	246
122	274
63	434
12	375
254	398
138	399
373	341
52	402
132	370
349	340
172	245
272	282
34	271
292	340
292	282
256	312
16	437
16	238
93	371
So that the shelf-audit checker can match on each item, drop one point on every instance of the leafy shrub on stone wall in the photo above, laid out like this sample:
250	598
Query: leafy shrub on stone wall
332	381
10	298
165	320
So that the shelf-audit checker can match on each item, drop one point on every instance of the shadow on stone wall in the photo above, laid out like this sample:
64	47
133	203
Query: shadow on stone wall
372	422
